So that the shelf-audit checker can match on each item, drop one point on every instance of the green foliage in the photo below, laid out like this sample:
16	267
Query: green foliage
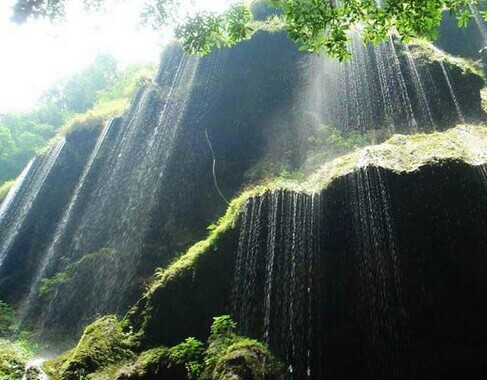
105	352
320	25
79	92
205	31
190	354
86	99
223	334
223	327
230	355
326	26
103	343
317	25
6	320
5	188
20	340
49	284
13	359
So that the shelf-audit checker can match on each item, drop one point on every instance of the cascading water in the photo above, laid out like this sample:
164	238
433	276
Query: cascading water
131	203
273	285
452	92
380	86
115	212
14	190
479	22
26	196
62	225
287	287
378	268
419	86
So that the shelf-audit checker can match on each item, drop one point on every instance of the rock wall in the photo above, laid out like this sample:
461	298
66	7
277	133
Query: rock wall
378	275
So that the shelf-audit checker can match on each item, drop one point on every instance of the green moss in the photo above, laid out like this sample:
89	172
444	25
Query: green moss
145	366
96	117
231	356
5	188
467	143
247	359
65	276
103	344
425	51
13	359
227	355
190	258
182	361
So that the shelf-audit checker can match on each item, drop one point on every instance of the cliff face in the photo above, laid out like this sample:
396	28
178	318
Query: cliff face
366	277
125	198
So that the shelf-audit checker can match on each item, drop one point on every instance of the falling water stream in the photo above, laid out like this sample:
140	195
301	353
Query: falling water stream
452	92
4	207
283	283
279	279
43	168
123	195
62	225
479	22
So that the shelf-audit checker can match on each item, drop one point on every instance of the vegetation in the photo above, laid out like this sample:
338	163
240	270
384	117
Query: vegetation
424	51
65	276
6	320
89	97
5	188
13	359
104	352
317	25
16	347
103	343
190	258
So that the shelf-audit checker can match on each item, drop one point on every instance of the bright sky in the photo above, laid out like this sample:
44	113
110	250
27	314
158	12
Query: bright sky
34	55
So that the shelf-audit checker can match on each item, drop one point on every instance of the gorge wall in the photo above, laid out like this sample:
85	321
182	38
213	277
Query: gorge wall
380	274
103	207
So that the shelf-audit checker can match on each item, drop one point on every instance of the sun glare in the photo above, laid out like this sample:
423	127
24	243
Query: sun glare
36	54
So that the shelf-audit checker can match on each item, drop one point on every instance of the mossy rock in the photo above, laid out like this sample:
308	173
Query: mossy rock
13	359
102	344
247	359
199	275
425	51
152	364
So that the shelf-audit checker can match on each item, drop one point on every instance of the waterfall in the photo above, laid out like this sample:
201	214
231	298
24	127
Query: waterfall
288	281
34	371
13	222
116	210
378	270
272	283
380	86
141	190
479	22
419	87
452	92
14	190
62	225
